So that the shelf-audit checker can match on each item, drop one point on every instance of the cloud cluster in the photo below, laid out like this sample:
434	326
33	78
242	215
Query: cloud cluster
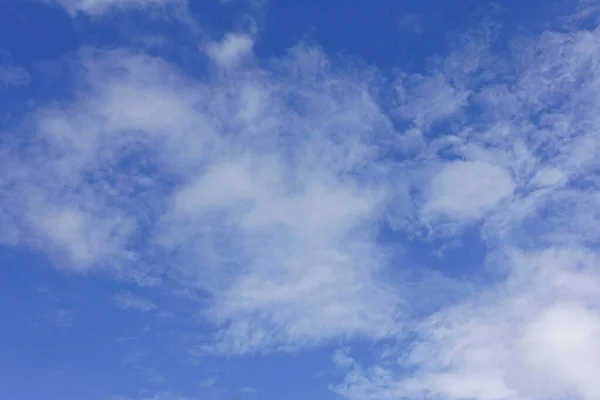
265	189
256	188
526	176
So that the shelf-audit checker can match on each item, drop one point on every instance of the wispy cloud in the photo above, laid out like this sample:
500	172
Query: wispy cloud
61	318
267	190
13	76
98	7
259	186
467	190
535	334
128	301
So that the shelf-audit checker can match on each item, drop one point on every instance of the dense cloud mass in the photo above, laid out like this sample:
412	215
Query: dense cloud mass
263	188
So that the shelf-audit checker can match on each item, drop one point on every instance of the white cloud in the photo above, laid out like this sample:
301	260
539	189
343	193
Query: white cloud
549	177
341	358
98	7
305	273
561	348
534	338
533	334
266	189
206	383
231	49
426	100
467	190
198	170
128	301
85	238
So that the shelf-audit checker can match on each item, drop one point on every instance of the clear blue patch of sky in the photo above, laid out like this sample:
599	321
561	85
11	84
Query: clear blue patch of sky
65	333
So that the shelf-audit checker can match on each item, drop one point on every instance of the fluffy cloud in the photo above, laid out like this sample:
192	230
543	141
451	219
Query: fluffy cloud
467	190
230	50
533	337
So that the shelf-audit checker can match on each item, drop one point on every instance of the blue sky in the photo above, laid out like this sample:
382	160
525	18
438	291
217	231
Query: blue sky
267	199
